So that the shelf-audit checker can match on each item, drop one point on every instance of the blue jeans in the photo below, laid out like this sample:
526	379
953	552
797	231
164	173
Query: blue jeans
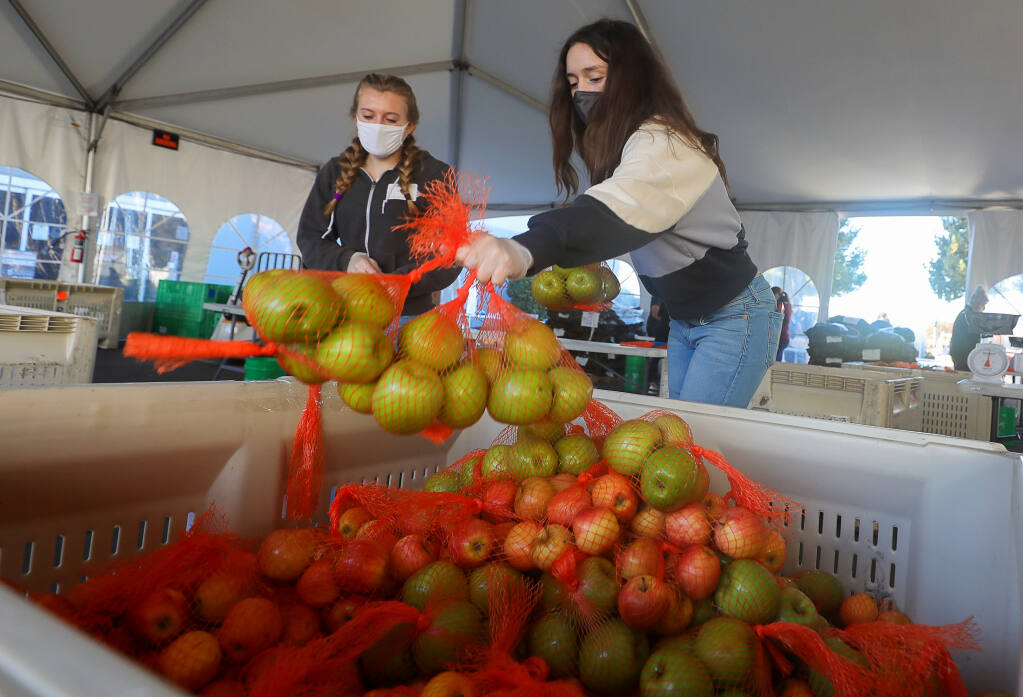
722	357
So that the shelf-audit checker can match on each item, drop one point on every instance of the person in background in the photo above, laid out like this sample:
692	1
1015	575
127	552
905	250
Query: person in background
785	307
965	339
359	197
658	321
658	190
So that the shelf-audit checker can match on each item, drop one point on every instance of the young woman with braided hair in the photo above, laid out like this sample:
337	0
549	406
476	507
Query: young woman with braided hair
359	197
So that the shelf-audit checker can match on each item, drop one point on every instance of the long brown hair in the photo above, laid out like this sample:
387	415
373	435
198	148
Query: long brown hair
355	155
638	88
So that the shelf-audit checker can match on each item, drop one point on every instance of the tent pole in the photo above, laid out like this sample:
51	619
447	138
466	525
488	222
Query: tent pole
16	91
460	39
500	84
52	51
644	28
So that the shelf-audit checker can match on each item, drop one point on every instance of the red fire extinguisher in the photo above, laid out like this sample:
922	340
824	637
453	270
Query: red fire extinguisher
78	250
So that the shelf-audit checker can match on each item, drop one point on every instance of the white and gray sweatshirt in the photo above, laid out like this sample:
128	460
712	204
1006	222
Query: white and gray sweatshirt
665	203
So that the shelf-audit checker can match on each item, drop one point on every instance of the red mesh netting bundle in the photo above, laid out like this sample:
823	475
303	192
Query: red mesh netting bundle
588	288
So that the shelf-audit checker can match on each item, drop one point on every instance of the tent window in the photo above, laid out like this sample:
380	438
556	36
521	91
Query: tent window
805	308
627	305
259	232
142	240
33	224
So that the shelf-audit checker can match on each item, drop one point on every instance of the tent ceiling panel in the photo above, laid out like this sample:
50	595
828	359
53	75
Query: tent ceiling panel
99	40
508	142
23	59
312	124
519	41
242	42
853	101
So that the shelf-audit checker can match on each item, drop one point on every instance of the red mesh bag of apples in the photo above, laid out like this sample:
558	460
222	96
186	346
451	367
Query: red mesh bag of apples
589	288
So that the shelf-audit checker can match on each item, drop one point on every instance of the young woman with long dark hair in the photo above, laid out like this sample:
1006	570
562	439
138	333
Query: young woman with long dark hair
349	217
658	190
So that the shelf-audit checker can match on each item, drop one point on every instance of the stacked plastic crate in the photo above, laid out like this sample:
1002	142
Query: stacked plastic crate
179	308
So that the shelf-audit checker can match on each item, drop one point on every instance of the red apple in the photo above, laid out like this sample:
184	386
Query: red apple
284	554
596	530
409	555
471	542
518	545
301	625
772	555
317	586
532	497
642	602
218	593
739	533
858	609
351	520
642	557
254	624
615	492
678	615
159	616
191	660
649	522
550	543
562	481
715	506
698	571
894	617
378	531
361	567
340	612
566	505
499	500
688	525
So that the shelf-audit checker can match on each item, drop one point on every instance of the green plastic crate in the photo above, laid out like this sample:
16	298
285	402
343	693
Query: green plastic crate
184	299
172	323
263	368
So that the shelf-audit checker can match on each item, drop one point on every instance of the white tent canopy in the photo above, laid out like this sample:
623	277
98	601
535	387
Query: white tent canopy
819	106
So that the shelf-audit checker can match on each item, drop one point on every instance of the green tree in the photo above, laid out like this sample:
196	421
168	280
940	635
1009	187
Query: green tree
948	268
848	261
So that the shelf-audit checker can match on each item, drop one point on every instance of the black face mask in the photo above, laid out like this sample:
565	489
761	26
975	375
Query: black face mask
585	103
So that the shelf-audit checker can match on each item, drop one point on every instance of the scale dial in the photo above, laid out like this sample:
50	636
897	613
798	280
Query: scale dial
988	362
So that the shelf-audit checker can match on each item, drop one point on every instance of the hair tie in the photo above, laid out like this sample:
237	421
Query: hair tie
337	196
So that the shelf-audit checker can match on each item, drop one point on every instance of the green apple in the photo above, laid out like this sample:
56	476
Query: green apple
611	657
469	466
495	463
703	611
823	589
389	661
554	639
490	360
520	396
680	642
529	343
303	366
584	286
444	481
673	672
485	579
432	339
627	447
549	289
454	628
797	608
544	430
465	396
674	430
728	647
437	581
612	287
748	592
287	306
364	300
576	453
354	353
358	396
597	594
407	398
573	390
532	457
671	478
819	684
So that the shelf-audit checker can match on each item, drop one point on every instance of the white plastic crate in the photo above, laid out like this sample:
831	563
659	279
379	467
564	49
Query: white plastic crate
856	396
102	302
931	522
944	410
45	348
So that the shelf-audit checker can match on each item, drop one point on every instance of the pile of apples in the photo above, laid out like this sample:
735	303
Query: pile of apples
557	288
338	330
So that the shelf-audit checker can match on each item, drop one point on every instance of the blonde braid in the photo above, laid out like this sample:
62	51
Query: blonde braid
351	159
406	165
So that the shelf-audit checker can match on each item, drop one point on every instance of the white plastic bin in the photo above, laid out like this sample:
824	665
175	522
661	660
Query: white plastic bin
857	396
135	460
85	300
45	348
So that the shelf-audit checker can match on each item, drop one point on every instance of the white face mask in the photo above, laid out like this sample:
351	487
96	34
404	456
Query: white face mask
380	139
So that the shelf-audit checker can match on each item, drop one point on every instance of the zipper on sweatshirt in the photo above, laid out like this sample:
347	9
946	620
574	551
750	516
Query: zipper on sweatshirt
369	205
